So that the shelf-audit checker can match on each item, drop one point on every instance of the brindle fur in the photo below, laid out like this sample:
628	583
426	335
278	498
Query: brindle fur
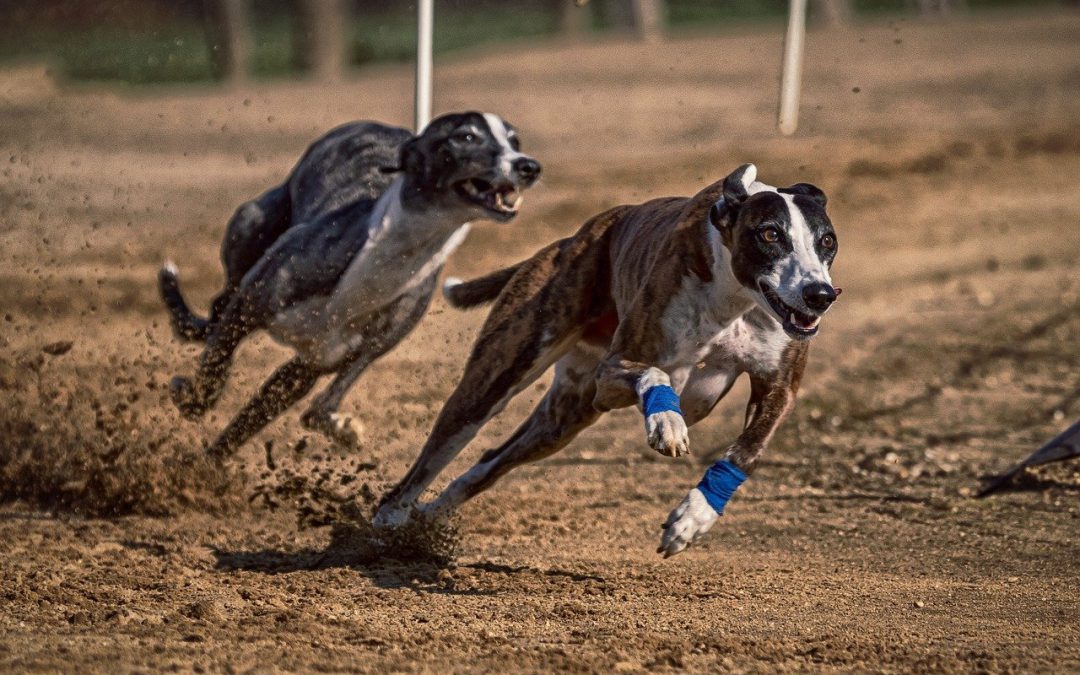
593	305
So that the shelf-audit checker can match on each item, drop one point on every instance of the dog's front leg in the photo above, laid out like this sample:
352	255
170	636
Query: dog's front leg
621	382
772	396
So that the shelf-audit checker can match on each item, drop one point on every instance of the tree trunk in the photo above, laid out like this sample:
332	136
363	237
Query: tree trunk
835	12
228	30
644	17
573	17
319	38
648	17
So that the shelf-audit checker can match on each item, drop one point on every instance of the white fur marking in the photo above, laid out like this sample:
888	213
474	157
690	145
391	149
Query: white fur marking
499	133
687	523
665	431
803	266
649	379
749	176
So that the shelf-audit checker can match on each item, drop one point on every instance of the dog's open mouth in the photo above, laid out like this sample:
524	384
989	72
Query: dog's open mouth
796	324
502	199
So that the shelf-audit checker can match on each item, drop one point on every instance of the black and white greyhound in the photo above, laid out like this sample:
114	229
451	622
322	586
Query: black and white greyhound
340	261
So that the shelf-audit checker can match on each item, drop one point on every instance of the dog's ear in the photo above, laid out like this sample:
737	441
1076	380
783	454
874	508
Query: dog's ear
718	214
807	190
411	159
737	185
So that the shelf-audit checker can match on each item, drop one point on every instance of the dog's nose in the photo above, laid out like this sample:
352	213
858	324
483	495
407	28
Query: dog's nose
818	296
527	168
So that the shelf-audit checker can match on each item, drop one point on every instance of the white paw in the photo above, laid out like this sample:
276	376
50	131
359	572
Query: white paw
347	429
667	433
344	430
392	516
691	519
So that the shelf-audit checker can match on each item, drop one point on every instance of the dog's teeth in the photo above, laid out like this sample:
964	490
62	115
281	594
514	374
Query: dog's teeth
508	201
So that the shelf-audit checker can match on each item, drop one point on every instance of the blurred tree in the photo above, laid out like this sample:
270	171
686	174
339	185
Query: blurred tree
228	29
319	37
574	16
928	7
835	12
644	17
648	17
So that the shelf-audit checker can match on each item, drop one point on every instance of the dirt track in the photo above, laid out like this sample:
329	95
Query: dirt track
951	155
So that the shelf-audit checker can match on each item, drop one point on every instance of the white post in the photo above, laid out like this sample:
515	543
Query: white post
425	21
791	77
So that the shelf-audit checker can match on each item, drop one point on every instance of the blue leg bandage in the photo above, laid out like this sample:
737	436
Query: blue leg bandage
720	482
660	398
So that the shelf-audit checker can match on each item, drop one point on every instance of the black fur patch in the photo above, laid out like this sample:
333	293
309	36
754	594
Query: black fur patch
751	255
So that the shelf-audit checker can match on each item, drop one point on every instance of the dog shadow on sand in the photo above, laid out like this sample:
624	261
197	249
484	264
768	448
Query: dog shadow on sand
420	555
396	558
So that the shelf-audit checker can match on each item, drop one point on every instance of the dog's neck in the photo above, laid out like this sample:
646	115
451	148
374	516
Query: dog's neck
407	244
729	299
401	220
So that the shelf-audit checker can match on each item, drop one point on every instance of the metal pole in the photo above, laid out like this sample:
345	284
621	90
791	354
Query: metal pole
791	77
425	21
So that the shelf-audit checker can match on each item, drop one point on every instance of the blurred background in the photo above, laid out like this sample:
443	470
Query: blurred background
158	41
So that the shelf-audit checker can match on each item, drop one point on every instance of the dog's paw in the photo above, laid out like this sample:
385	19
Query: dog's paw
392	516
186	398
687	523
344	430
667	433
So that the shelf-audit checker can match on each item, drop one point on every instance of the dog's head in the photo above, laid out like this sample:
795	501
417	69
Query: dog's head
782	245
470	160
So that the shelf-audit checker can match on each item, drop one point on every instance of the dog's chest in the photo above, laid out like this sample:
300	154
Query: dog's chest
715	325
403	251
398	257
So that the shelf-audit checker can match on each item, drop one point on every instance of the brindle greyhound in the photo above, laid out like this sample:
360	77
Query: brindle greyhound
673	295
340	261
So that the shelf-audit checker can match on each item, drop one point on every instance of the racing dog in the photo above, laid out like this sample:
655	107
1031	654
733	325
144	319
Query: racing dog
660	305
340	261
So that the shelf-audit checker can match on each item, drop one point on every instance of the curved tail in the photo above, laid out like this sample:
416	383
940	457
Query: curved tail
465	294
186	324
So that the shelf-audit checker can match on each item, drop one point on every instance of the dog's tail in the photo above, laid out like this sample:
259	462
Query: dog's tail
465	294
186	324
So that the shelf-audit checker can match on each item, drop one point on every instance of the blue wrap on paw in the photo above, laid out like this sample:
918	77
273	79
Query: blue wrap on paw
720	482
660	398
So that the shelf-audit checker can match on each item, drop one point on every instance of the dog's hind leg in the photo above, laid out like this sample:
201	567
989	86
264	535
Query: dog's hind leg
533	323
289	383
386	330
323	416
193	397
253	228
564	412
483	392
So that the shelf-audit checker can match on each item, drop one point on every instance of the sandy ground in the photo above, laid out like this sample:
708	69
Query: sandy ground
951	154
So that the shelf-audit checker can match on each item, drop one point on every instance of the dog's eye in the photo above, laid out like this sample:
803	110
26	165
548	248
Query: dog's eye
828	242
769	235
464	137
